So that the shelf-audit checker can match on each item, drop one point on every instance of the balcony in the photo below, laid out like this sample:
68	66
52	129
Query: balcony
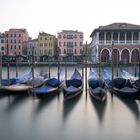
119	42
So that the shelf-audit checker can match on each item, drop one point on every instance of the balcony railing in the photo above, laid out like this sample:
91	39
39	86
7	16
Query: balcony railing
108	42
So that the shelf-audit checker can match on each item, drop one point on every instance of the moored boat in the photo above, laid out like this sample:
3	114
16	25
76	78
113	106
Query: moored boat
50	87
74	86
97	87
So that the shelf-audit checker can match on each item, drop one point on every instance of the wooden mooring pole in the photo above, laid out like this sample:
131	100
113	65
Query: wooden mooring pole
0	69
86	69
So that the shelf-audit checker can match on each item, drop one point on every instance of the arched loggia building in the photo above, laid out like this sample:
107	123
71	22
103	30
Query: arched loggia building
134	55
125	38
105	55
125	56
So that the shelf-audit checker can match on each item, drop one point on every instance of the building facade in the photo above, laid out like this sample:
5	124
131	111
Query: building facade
2	44
32	47
70	43
47	45
14	41
122	38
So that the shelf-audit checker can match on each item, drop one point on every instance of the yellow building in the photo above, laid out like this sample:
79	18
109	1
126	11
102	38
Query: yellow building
47	44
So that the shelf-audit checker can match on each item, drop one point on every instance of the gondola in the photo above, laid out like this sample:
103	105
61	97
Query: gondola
22	85
51	86
74	86
97	87
134	80
123	88
17	80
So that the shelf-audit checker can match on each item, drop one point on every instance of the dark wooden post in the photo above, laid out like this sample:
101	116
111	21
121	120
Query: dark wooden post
16	66
66	68
8	66
0	69
86	69
49	64
33	67
112	61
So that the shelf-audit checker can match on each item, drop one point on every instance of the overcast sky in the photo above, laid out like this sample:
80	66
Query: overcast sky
52	16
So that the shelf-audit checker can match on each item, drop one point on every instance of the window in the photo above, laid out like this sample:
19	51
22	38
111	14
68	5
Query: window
59	36
70	44
19	41
19	35
75	36
81	36
15	46
69	36
11	47
45	38
80	43
15	53
15	35
7	41
40	38
19	47
14	41
64	36
75	51
6	35
50	38
64	51
45	44
19	53
11	41
81	51
11	35
59	43
2	41
64	43
41	44
2	48
75	43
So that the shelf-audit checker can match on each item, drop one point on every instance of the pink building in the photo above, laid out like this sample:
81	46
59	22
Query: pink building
14	41
70	43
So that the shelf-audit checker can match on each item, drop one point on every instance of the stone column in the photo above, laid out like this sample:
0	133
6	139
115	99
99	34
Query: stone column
132	38
118	37
104	37
125	37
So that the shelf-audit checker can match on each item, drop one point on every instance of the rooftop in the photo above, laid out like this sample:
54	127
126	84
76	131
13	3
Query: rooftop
117	27
44	34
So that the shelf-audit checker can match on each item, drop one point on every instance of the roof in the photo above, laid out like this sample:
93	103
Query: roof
117	27
70	31
44	34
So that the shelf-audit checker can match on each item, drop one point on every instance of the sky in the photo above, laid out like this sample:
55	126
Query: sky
52	16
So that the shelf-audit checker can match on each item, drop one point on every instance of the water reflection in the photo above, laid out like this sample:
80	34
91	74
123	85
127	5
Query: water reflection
16	101
44	102
100	108
68	106
132	106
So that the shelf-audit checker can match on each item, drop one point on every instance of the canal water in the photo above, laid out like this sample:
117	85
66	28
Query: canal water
82	118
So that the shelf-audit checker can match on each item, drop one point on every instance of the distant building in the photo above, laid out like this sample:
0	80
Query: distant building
33	44
14	41
70	43
47	45
126	40
2	43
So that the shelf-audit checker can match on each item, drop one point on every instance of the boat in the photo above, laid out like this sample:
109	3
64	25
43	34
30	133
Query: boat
17	80
127	75
51	86
123	88
134	80
23	85
97	87
73	86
